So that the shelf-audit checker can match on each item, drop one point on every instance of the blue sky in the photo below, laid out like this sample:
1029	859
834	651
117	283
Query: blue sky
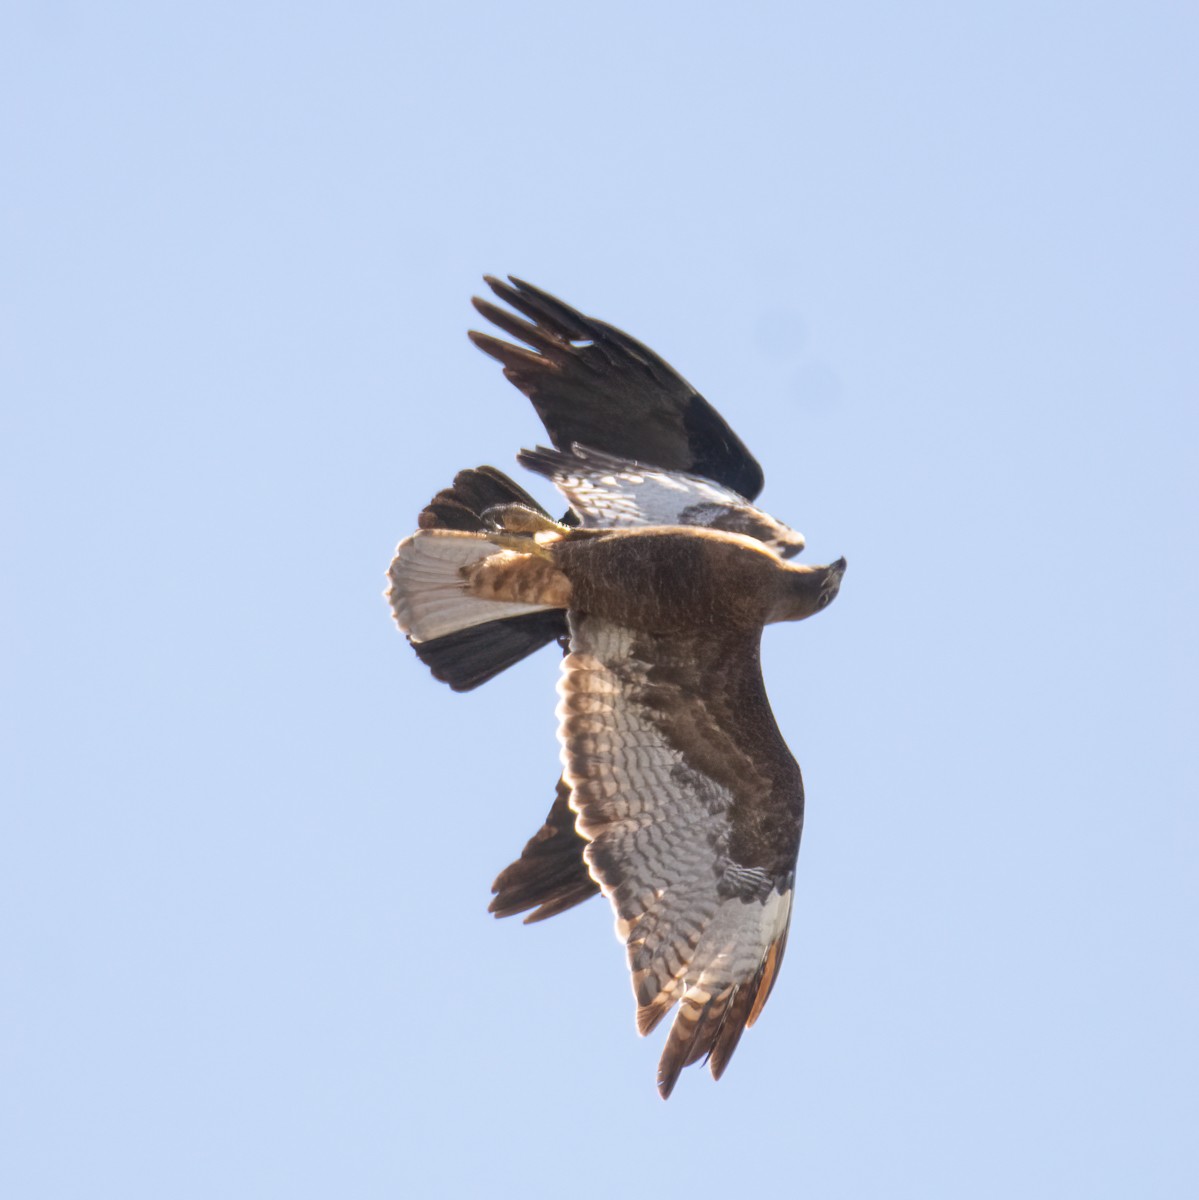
936	265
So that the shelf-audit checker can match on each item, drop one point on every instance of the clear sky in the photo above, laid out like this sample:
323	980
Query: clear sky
936	264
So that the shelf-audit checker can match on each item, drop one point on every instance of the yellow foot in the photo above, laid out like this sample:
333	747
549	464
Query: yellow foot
522	543
517	518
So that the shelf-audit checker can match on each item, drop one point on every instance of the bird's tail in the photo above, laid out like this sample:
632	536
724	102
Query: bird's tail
475	653
444	581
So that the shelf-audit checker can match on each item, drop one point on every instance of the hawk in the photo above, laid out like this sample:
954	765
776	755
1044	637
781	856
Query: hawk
679	799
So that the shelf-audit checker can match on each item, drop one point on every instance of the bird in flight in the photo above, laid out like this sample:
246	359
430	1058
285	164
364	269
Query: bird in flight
679	799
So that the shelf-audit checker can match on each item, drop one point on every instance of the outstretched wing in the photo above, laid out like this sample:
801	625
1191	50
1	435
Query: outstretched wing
615	493
590	383
692	807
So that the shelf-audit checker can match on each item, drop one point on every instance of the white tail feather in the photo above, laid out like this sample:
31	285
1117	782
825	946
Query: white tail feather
428	592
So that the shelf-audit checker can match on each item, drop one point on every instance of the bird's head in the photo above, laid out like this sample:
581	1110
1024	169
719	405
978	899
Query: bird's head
808	590
831	583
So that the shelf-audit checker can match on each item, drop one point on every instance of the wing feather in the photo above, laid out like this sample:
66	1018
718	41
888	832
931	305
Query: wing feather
692	807
617	493
593	384
551	875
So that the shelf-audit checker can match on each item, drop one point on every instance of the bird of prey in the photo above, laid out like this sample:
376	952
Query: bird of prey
679	799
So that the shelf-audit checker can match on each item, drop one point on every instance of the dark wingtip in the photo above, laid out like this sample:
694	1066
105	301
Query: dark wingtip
595	384
667	1080
470	657
523	284
551	874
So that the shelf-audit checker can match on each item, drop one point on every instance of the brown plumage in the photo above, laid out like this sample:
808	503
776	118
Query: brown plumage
595	386
689	802
551	874
471	657
604	398
679	799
